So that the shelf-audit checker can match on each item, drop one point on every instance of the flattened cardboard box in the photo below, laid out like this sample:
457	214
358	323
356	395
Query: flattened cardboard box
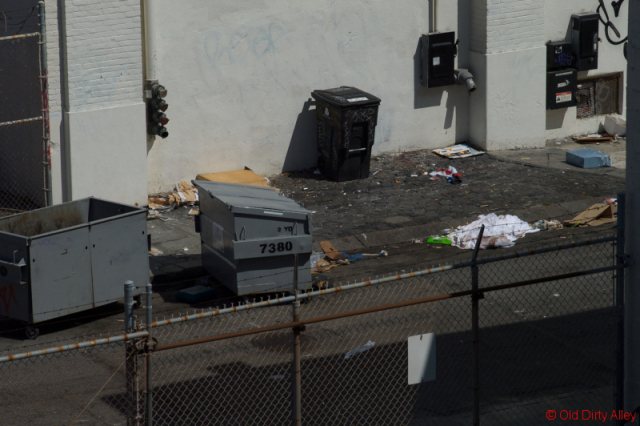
597	214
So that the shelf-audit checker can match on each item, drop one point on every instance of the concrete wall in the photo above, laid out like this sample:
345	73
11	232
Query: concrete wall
97	108
239	76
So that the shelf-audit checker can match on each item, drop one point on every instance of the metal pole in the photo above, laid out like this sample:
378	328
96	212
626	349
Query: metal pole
149	321
130	358
44	86
474	331
620	260
296	382
632	228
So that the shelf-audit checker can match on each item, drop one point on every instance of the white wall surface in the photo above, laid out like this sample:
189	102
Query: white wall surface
103	149
107	160
239	75
563	122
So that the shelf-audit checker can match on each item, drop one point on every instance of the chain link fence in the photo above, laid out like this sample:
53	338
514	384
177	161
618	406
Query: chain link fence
24	129
546	341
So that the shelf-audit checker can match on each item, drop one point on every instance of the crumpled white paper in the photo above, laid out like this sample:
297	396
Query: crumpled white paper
499	231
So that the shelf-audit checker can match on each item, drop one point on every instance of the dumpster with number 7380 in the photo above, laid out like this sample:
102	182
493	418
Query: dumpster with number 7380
251	237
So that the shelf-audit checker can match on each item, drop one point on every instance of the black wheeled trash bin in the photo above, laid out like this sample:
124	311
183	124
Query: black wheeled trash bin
347	119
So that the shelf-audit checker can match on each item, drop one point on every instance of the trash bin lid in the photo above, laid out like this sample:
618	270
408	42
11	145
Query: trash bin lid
239	197
346	97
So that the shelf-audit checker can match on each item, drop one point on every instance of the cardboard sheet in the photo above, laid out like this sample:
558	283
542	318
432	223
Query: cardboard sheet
241	177
597	214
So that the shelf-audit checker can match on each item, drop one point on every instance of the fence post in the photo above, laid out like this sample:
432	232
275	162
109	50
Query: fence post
131	373
474	331
296	383
148	355
620	260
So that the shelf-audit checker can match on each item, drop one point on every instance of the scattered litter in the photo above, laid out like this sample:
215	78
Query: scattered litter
544	224
556	294
330	251
324	265
186	249
353	258
615	125
597	214
588	158
194	212
304	189
613	201
414	175
364	236
155	252
434	178
416	241
435	239
185	193
458	151
375	173
154	215
361	349
316	172
450	173
315	258
500	231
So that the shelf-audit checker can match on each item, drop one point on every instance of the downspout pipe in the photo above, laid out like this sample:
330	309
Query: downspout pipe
433	18
149	34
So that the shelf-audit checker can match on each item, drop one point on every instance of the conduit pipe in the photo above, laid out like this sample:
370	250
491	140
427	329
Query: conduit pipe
149	34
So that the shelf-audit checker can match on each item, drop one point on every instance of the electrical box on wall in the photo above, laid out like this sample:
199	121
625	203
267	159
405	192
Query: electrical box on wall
559	55
584	40
561	88
437	57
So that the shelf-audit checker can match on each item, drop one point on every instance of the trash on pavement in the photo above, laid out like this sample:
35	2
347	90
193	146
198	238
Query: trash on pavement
323	265
544	224
615	125
611	201
588	158
240	177
155	252
330	251
450	173
185	193
458	151
434	239
499	231
361	349
353	258
597	214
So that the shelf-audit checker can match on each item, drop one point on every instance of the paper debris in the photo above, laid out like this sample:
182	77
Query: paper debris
499	231
597	214
458	151
155	252
331	252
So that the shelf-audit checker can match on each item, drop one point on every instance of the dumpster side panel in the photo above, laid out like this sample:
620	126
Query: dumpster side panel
272	274
15	297
118	253
60	274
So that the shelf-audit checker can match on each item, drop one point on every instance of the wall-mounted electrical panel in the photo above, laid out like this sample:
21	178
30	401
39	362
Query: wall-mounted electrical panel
561	88
584	40
437	58
559	55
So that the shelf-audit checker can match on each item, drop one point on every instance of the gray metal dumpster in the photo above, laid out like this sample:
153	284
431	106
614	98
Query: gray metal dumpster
70	257
250	235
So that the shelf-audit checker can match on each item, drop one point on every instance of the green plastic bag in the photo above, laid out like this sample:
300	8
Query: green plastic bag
434	239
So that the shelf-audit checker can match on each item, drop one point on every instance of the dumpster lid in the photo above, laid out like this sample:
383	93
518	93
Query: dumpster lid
346	96
254	197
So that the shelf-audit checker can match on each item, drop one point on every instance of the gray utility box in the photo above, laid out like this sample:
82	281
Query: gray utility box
70	257
250	235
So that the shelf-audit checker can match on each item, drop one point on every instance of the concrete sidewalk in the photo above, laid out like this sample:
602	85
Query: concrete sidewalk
399	203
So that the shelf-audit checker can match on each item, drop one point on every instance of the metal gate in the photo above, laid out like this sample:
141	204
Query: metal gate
24	120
